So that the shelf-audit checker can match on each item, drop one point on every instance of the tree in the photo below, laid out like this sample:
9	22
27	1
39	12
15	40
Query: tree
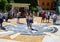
33	3
3	4
10	1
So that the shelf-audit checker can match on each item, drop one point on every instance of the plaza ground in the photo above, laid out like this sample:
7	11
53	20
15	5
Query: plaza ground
23	20
25	38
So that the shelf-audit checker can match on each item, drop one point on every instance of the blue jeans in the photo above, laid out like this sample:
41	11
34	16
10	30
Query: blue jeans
54	20
28	23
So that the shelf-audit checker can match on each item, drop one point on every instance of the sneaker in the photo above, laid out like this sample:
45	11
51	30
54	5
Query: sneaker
3	28
34	29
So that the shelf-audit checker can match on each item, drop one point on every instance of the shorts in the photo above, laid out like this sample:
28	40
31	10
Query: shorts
31	21
48	18
54	20
43	18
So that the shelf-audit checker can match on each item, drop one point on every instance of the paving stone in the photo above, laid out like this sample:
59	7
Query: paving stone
22	28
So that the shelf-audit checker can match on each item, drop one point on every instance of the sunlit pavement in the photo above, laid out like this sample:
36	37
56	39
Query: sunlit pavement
23	20
6	40
30	38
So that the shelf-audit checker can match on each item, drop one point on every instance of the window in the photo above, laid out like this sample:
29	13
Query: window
43	8
48	4
43	3
47	9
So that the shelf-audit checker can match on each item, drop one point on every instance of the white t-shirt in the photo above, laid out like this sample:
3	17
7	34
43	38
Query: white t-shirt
54	16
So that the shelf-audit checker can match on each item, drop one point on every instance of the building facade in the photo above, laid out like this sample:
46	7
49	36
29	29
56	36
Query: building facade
46	4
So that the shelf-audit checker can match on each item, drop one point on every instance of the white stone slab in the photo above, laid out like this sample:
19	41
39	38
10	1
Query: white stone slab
50	39
4	33
14	35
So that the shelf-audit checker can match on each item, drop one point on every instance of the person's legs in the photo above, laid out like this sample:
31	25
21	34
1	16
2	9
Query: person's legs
1	21
18	20
48	18
27	22
54	20
1	25
32	28
42	20
6	19
30	25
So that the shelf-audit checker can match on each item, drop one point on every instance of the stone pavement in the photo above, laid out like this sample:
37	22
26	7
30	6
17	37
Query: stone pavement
23	20
26	38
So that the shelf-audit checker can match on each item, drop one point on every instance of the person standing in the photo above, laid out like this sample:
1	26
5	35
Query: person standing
31	21
47	15
27	20
18	17
43	16
1	19
54	18
6	16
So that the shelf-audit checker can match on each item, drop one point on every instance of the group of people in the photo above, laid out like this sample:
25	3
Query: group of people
29	18
2	16
46	15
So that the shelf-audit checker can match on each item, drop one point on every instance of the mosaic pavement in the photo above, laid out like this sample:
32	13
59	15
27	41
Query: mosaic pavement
23	30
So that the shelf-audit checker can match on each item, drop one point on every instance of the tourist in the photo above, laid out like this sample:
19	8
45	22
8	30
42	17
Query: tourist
43	16
18	16
47	15
31	21
1	20
54	18
27	20
6	16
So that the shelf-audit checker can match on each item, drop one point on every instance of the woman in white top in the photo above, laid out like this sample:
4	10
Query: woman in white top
54	18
